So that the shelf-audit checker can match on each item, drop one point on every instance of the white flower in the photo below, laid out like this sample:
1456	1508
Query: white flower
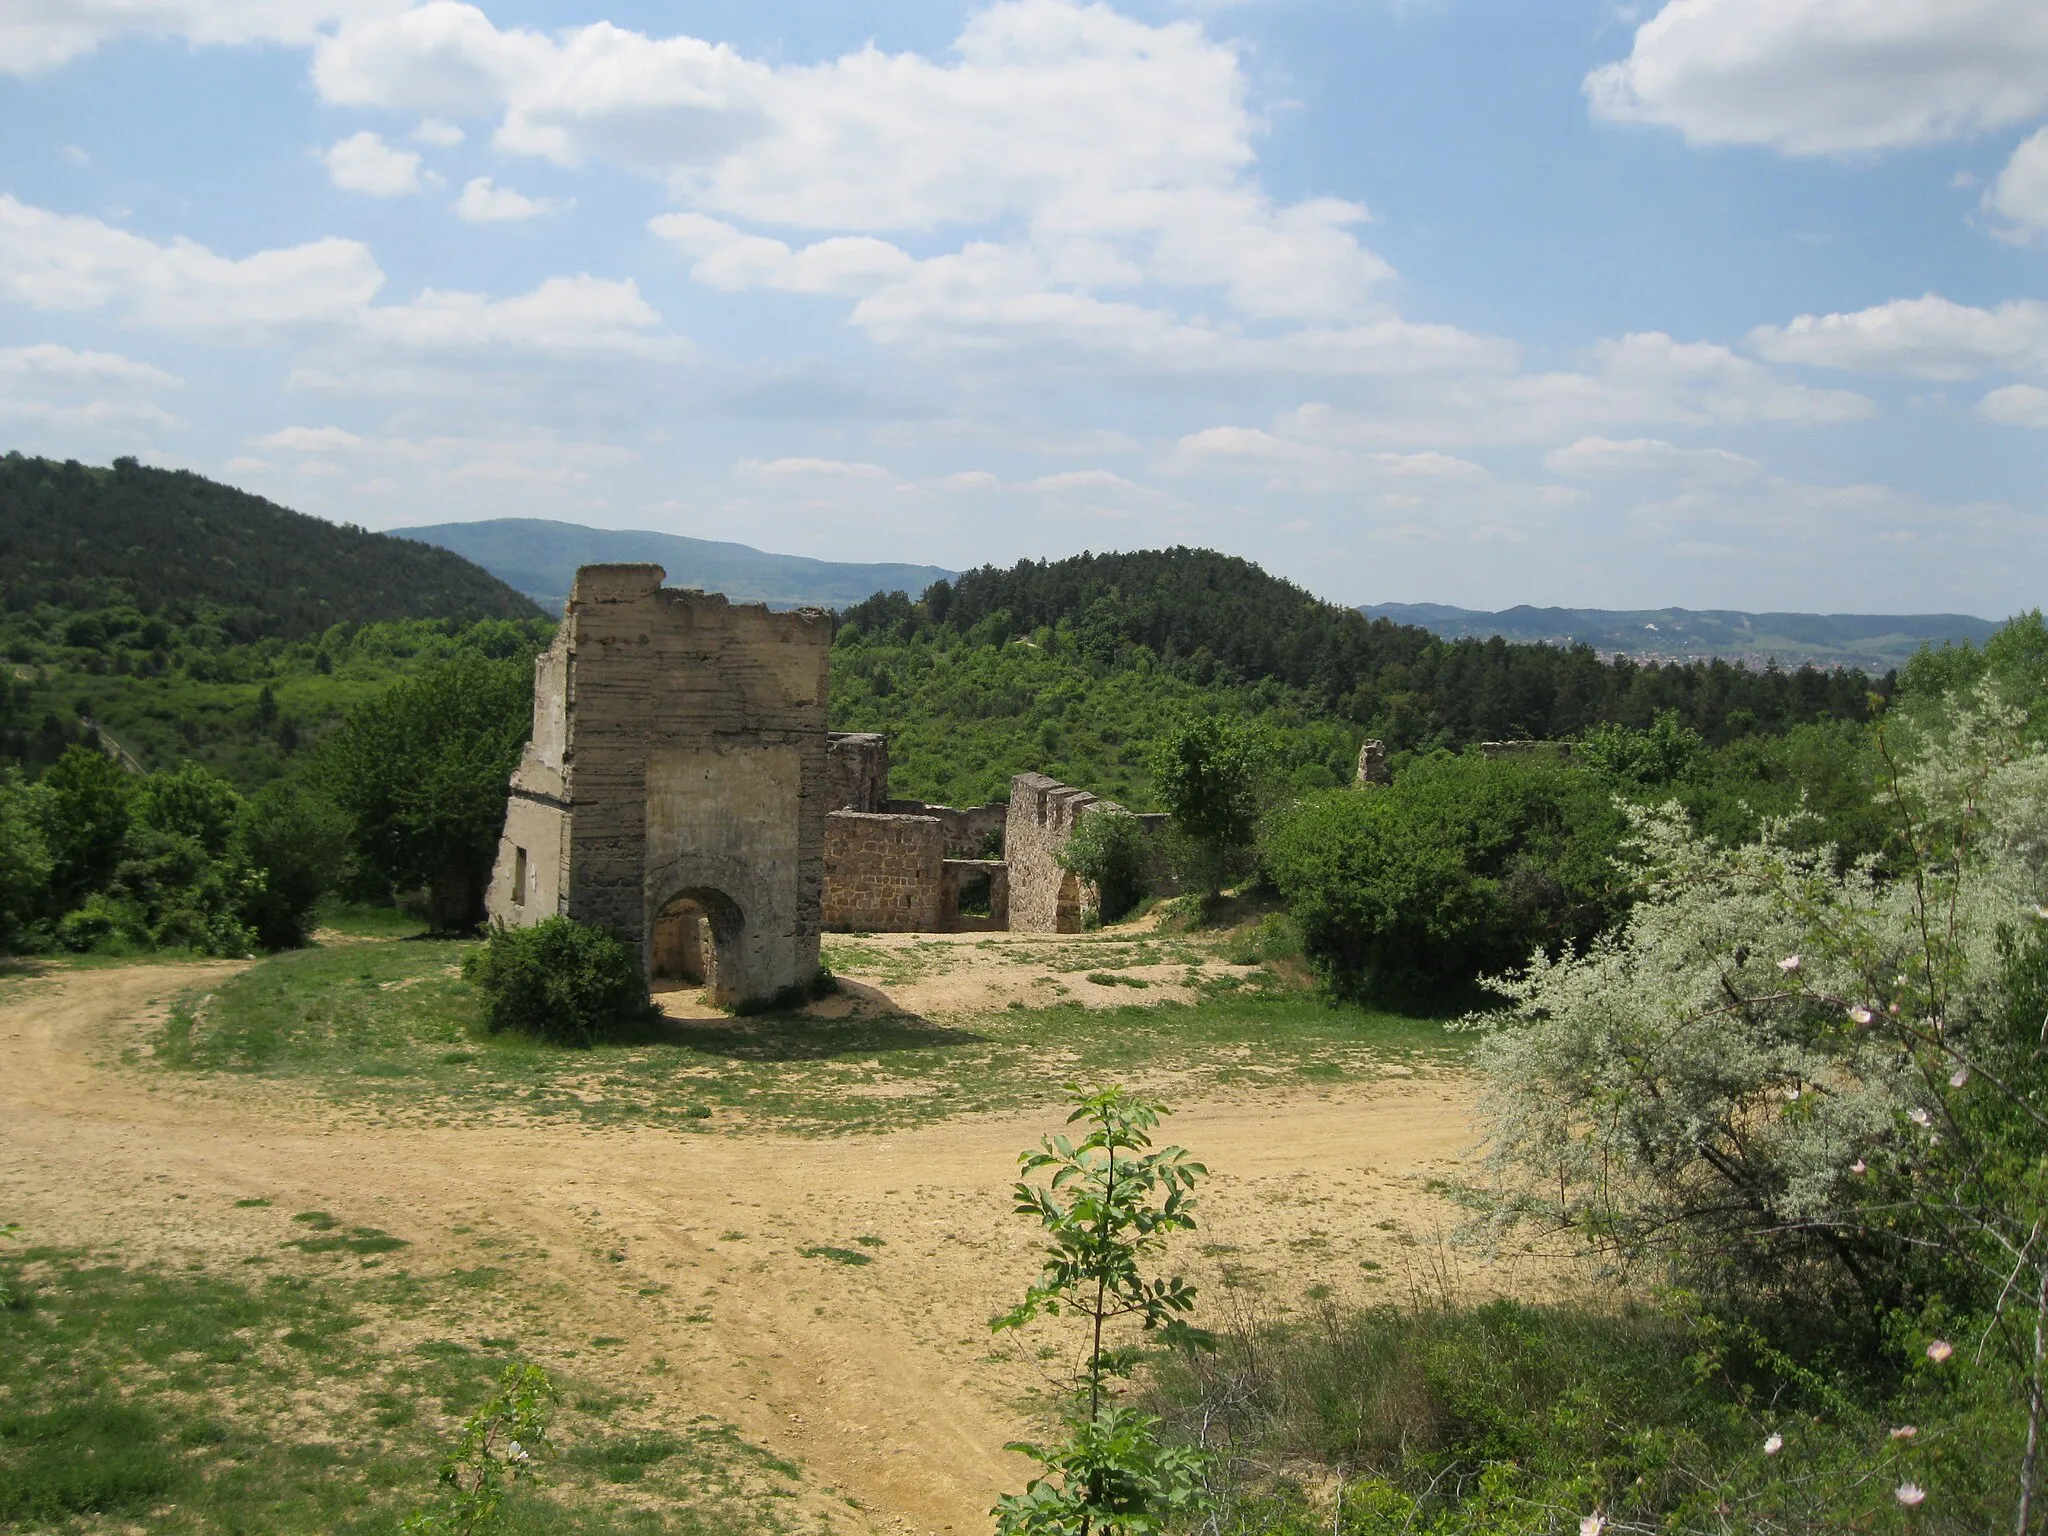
1919	1116
1940	1350
1789	964
1593	1524
1774	1444
517	1452
1860	1015
1960	1076
1859	1166
1905	1432
1910	1494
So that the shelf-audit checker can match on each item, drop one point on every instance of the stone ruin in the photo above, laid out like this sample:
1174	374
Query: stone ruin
681	789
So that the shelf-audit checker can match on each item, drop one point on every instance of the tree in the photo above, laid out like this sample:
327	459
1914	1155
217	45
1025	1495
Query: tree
1110	1203
1207	771
82	804
293	840
422	771
24	867
1110	849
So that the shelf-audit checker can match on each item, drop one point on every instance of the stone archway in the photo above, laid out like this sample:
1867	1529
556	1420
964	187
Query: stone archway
691	934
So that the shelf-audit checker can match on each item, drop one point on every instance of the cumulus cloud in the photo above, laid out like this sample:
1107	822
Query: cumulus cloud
363	162
55	386
730	259
1928	337
2021	192
1605	458
310	440
440	134
2017	405
810	469
37	35
482	202
1120	149
67	262
1830	76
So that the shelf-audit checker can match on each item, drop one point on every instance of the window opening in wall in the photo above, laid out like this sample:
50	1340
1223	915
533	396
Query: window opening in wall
519	877
685	953
974	897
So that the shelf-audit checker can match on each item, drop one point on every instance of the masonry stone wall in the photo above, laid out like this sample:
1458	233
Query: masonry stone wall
883	873
857	771
678	752
1044	898
967	828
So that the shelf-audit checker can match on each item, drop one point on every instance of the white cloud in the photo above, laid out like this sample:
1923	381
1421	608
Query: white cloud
2017	405
68	262
57	387
482	202
38	35
438	133
311	440
2021	191
363	162
1928	337
729	259
1830	76
810	469
1120	149
1605	458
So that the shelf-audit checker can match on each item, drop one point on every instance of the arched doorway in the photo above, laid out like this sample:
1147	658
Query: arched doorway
688	935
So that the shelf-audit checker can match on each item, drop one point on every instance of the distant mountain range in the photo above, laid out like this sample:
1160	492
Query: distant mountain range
539	558
1874	642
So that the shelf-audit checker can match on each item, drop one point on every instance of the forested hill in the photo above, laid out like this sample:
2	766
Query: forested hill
173	545
1216	619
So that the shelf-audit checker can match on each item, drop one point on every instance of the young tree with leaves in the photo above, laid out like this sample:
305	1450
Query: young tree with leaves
1110	1204
1207	772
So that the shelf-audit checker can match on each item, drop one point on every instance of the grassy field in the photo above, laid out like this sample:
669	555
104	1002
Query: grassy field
392	1028
317	1395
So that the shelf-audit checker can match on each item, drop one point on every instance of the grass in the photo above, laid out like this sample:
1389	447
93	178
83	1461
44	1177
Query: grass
394	1029
187	1403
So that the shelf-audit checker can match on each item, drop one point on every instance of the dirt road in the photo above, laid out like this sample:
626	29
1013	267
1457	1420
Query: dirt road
876	1377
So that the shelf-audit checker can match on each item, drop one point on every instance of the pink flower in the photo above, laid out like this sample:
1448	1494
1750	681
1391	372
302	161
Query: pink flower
1774	1444
1859	1166
1910	1494
1960	1076
1905	1432
1940	1350
1593	1524
1860	1015
1789	964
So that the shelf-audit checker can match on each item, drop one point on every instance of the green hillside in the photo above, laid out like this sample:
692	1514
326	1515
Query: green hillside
138	544
539	558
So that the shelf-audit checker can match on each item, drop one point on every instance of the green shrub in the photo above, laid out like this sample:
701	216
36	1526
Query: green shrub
567	982
1461	867
1110	849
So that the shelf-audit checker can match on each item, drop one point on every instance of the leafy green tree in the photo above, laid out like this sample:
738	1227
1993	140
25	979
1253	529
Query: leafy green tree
294	841
1657	756
1459	867
83	805
1110	849
422	771
191	802
24	867
1208	772
1111	1203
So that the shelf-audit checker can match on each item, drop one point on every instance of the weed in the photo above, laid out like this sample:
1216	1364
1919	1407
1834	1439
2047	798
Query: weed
848	1256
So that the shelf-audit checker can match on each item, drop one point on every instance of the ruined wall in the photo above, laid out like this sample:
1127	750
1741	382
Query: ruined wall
1043	813
857	771
884	874
967	828
679	741
956	876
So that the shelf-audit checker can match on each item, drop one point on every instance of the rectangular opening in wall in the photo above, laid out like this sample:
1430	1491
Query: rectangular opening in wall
518	877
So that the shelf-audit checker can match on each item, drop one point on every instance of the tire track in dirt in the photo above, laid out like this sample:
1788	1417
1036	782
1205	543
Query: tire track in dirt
876	1377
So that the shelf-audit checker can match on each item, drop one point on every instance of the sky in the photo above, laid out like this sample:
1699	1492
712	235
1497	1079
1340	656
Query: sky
1713	303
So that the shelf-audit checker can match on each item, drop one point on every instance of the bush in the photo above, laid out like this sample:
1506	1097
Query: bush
292	840
566	982
1459	868
1110	849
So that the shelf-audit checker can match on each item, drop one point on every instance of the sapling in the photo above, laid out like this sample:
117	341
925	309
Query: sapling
501	1444
1110	1204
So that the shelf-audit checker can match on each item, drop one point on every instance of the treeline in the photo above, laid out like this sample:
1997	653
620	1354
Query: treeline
1219	621
134	551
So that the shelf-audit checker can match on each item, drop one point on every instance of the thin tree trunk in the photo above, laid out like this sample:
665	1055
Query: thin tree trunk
2030	1460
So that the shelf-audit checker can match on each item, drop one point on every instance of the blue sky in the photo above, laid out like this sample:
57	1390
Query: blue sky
1729	303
